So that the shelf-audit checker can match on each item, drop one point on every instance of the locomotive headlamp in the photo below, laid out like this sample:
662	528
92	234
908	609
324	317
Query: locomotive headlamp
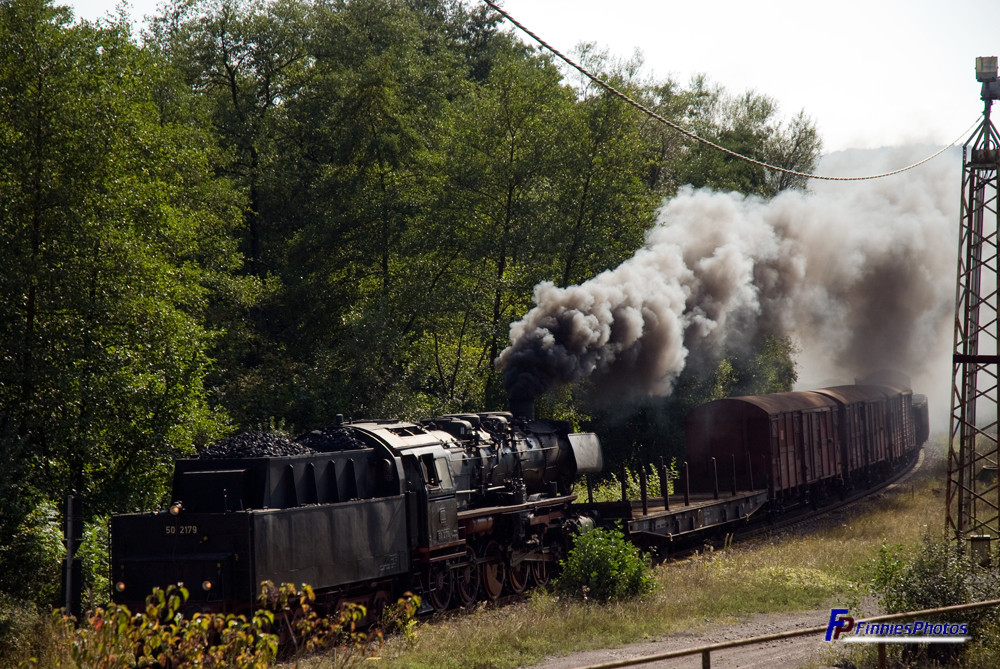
206	585
176	508
120	586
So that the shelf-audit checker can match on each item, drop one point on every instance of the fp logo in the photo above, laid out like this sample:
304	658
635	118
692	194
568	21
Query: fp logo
839	622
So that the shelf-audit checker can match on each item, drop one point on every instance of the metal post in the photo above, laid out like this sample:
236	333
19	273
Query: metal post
590	488
664	486
642	490
715	479
72	577
624	484
706	659
687	485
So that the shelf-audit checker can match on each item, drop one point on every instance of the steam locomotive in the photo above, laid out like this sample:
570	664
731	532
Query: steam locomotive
469	506
452	508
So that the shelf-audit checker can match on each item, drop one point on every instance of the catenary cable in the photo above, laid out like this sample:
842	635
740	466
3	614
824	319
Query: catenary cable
652	114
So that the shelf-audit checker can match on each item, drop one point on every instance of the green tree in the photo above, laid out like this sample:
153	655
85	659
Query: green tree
241	61
603	205
412	173
503	157
117	239
351	192
244	58
748	124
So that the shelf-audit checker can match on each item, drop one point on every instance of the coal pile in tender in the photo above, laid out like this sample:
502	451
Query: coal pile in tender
331	439
255	445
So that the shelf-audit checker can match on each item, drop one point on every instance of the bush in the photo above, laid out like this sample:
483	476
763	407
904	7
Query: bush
940	573
31	563
31	560
93	554
160	636
25	631
603	566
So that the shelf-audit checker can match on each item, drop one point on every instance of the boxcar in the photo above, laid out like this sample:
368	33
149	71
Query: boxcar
787	442
874	423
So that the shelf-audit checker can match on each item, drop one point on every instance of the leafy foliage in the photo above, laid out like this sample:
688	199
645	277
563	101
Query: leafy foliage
162	636
417	173
603	566
610	488
32	556
939	573
120	232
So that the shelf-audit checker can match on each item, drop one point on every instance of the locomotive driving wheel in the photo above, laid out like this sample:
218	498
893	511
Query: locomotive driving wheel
467	579
493	570
439	587
540	572
517	577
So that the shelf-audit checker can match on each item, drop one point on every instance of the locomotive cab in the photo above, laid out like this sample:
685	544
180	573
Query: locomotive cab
432	503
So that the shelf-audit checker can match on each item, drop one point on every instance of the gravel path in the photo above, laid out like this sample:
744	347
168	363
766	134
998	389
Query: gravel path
807	651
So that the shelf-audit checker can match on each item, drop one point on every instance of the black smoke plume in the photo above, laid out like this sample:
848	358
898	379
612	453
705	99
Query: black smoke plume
859	274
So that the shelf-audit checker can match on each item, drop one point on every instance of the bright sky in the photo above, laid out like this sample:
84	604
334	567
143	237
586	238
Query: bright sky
870	73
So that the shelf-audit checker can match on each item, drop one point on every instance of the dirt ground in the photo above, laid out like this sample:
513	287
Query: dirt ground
807	651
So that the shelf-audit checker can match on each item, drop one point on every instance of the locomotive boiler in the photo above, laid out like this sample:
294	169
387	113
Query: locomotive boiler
454	508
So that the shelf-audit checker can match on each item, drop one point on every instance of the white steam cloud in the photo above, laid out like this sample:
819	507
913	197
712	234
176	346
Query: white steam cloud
860	274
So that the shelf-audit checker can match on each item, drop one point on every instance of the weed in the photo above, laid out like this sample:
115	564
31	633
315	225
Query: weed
610	488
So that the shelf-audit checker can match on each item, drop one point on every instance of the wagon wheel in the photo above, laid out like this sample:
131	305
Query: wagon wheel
493	571
540	572
466	577
439	587
517	577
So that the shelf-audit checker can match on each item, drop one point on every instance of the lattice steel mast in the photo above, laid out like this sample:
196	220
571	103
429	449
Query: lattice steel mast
973	497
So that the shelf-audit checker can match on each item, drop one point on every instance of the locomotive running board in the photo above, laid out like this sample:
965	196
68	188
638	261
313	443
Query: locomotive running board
532	505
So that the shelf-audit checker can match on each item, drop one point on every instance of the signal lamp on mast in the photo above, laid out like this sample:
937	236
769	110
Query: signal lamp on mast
986	73
986	69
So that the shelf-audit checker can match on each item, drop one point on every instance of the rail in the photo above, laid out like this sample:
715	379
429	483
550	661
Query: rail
706	651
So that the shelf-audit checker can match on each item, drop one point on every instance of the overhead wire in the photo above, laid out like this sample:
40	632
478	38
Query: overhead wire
652	114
